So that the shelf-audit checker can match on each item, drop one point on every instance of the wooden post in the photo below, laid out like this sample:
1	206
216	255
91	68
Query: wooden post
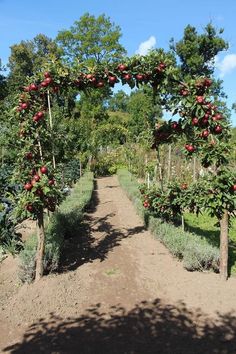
224	245
40	147
148	180
40	246
194	169
51	127
182	221
160	167
169	164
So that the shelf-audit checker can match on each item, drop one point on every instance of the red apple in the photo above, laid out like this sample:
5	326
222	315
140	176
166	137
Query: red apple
218	129
51	182
47	75
40	114
33	87
39	192
30	208
24	105
112	79
217	116
127	77
48	80
36	118
29	155
36	177
161	67
195	121
184	92
174	125
184	186
89	76
139	77
207	82
190	148
205	133
200	99
44	170
28	186
122	67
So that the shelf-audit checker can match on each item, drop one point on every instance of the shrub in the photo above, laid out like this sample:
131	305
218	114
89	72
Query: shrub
63	223
194	250
108	162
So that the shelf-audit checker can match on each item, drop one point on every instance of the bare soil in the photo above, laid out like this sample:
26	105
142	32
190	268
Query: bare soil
118	291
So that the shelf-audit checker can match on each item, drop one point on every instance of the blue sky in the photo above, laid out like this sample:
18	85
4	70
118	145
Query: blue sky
143	24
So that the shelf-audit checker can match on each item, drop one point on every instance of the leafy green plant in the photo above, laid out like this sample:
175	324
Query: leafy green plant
194	250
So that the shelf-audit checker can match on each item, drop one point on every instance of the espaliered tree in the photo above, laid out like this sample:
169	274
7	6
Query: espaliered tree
201	122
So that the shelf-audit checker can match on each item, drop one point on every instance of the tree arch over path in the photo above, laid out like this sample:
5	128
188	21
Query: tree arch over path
201	122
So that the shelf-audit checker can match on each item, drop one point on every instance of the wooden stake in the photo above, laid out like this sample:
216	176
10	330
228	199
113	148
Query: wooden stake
40	148
51	127
194	169
169	164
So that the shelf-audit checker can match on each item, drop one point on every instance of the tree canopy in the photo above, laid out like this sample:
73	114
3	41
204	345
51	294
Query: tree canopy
91	40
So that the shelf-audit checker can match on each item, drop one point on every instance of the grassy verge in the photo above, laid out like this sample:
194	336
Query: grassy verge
62	224
194	250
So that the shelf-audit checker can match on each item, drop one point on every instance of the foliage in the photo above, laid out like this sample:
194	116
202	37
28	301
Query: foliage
62	224
9	238
91	40
213	193
142	112
195	251
27	58
68	173
198	51
107	162
118	102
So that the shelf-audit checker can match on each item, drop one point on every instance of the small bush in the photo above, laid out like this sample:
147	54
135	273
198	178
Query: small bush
108	162
194	250
62	224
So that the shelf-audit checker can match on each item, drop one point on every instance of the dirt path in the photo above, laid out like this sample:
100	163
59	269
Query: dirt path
119	291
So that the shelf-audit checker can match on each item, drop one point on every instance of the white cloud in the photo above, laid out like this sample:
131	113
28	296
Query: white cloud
226	65
144	47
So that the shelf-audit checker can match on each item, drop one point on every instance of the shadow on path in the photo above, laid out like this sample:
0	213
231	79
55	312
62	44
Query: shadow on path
84	247
149	328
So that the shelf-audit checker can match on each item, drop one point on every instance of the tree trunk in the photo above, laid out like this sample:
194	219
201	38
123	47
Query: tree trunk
40	247
224	225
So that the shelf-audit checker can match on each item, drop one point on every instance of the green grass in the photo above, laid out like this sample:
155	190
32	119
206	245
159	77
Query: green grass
205	226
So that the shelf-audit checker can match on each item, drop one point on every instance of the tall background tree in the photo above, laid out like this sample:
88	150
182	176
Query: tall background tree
91	40
28	57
